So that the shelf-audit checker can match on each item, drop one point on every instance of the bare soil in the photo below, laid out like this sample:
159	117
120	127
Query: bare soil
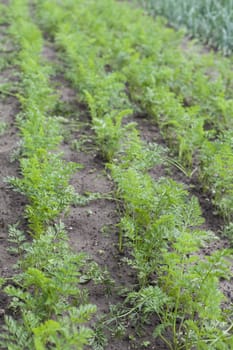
92	228
213	221
11	203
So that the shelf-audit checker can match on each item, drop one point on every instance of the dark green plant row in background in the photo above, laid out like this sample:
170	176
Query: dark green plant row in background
48	306
160	222
208	20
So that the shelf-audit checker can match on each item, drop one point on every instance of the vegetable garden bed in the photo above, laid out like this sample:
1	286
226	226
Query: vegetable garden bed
123	174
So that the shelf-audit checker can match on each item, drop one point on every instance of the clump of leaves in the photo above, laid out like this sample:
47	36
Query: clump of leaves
160	219
47	292
3	127
46	184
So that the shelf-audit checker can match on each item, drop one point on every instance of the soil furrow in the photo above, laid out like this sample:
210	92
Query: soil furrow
213	222
93	228
11	203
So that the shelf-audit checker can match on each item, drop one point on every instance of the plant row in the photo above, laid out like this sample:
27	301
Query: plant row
188	95
159	221
48	306
208	20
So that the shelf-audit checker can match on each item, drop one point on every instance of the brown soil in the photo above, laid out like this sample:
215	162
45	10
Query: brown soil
213	222
92	228
11	203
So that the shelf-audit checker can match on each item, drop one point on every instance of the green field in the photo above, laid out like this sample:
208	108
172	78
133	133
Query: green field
117	152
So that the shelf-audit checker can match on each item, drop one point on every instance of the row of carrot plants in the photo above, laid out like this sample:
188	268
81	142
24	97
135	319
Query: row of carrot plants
159	221
188	95
48	307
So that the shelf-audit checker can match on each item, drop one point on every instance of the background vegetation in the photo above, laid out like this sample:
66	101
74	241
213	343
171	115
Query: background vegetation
209	20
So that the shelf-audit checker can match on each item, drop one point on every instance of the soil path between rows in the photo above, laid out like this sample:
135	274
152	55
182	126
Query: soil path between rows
213	222
93	228
11	203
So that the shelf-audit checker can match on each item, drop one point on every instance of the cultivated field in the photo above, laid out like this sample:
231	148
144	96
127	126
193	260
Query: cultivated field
116	181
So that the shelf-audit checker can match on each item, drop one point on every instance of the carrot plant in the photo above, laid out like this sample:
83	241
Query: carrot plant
3	127
45	175
41	295
160	225
49	308
108	59
190	97
104	93
45	183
